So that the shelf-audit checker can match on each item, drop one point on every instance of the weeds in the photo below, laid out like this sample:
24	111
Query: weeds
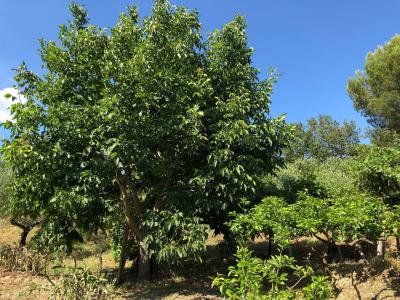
79	283
14	258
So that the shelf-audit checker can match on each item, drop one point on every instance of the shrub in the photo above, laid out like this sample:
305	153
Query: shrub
275	278
81	284
13	258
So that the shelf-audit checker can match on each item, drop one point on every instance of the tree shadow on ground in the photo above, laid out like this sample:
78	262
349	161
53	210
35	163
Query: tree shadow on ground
192	281
348	267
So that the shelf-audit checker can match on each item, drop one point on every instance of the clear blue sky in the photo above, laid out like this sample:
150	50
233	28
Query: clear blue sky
316	45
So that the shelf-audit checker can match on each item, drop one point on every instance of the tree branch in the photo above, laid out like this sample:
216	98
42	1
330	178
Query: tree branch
360	240
128	214
319	238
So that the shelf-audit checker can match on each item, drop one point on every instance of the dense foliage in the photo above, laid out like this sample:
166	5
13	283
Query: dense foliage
376	93
147	118
322	138
254	278
154	135
5	178
321	179
378	173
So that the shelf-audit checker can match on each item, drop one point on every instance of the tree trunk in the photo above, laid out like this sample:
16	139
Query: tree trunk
398	246
339	248
290	251
144	262
270	244
329	253
24	235
129	195
360	250
25	230
153	266
380	248
123	255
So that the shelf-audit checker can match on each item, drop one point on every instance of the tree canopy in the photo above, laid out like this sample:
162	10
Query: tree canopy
375	91
322	138
378	173
146	122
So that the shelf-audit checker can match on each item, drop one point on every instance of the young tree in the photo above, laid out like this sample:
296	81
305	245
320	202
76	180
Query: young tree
147	118
254	278
378	173
376	91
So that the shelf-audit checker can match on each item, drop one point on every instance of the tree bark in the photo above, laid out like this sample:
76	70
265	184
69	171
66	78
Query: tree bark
290	251
144	262
24	235
135	224
25	230
339	248
270	236
380	248
123	255
398	246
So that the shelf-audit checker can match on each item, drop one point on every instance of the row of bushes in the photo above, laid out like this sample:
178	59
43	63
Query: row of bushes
351	219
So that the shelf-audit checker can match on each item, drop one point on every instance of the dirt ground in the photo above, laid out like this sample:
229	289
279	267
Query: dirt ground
352	279
24	286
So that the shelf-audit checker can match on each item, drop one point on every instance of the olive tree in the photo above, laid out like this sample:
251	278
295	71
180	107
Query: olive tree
148	123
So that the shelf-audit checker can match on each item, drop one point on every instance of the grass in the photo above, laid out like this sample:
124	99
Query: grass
353	279
8	234
92	256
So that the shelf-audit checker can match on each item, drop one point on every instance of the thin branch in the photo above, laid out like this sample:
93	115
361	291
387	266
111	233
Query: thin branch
298	281
360	240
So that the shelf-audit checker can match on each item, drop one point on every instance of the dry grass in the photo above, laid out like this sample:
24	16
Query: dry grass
92	257
353	279
19	285
9	234
383	286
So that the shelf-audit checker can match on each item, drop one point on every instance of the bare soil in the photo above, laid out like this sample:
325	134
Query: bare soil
20	285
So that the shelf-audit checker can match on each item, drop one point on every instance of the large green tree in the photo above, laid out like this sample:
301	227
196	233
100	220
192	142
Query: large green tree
322	138
147	121
376	90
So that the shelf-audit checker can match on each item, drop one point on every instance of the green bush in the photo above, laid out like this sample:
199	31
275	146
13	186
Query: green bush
331	178
276	278
81	284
